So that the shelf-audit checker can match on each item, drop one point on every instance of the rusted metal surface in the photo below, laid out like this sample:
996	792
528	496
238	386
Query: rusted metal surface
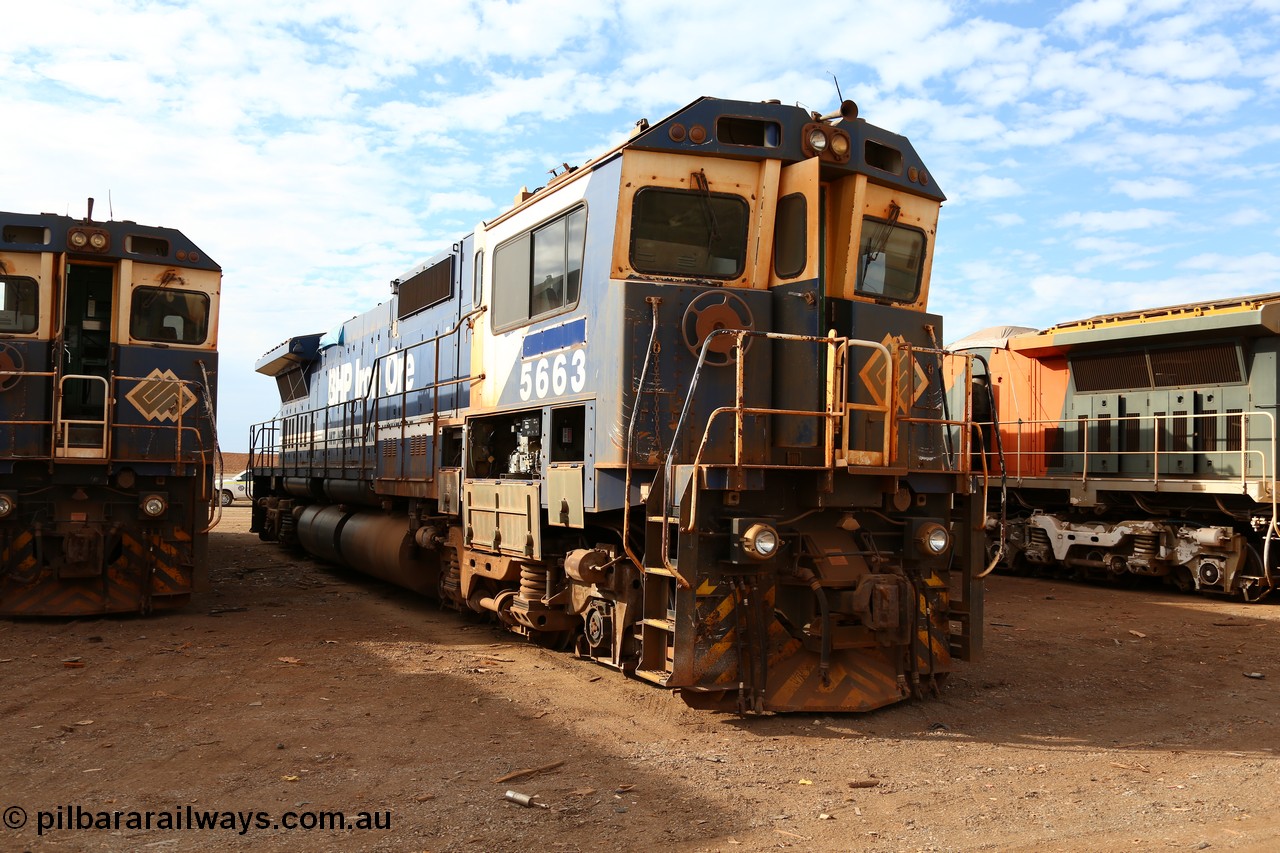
62	573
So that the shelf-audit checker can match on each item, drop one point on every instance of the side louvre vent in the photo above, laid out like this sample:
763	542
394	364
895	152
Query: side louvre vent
429	287
1209	364
1111	372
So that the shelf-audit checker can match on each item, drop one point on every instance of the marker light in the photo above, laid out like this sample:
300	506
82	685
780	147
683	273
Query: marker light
153	505
760	541
6	506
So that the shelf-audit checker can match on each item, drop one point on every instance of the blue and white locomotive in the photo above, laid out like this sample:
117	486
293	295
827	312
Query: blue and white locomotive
108	362
683	408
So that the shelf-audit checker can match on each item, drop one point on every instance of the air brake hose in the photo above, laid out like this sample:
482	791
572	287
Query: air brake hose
1004	470
806	575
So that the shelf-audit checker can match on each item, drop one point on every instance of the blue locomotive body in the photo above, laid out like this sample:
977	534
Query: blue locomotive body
683	407
108	358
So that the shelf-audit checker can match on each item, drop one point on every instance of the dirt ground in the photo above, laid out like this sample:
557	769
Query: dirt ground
1100	719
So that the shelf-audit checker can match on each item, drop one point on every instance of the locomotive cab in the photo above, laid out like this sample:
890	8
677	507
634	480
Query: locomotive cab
108	355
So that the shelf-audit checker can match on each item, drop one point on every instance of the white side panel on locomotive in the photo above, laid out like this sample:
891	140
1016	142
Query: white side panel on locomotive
513	375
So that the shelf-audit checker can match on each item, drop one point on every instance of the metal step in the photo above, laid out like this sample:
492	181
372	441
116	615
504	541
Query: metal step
657	676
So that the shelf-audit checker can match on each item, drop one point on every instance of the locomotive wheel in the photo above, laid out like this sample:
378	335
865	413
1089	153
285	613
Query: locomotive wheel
1252	568
598	627
710	312
10	360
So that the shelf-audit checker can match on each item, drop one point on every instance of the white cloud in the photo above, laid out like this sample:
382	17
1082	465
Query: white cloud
1089	15
988	187
1044	127
1213	56
1246	216
1094	252
464	200
1117	220
1261	267
1153	188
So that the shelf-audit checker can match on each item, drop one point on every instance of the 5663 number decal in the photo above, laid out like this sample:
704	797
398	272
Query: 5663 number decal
553	375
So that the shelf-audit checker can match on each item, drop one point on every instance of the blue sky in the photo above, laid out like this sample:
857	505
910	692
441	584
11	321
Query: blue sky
1097	155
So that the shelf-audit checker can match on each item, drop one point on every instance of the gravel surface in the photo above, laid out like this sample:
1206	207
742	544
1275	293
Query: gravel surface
1100	719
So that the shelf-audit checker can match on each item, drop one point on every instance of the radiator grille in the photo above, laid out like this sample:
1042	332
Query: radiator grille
1235	429
427	288
1208	364
1216	364
1111	372
1207	434
1179	444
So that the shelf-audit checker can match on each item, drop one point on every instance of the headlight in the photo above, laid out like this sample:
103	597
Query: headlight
6	506
817	140
934	539
154	505
88	240
840	145
760	541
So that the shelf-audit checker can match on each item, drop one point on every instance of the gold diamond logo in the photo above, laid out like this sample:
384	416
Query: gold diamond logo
874	374
909	388
913	380
161	396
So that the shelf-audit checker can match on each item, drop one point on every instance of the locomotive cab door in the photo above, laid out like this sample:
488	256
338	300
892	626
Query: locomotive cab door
796	271
82	354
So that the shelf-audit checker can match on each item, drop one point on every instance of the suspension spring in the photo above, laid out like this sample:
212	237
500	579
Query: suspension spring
288	534
533	582
451	579
1146	546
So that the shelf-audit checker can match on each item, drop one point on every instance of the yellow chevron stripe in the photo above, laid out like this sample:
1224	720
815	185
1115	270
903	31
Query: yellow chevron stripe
861	680
711	662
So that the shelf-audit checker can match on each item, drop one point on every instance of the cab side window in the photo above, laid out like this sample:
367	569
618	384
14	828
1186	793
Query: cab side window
167	315
539	272
19	305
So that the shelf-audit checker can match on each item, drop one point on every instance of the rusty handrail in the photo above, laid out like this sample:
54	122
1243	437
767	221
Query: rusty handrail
296	448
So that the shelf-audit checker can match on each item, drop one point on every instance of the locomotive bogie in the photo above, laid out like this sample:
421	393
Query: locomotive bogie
673	441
